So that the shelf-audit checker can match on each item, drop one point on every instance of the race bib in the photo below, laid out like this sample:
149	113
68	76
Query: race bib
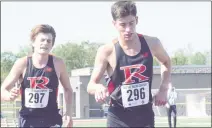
135	94
36	98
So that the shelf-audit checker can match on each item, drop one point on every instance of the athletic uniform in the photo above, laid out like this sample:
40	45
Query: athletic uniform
39	91
130	89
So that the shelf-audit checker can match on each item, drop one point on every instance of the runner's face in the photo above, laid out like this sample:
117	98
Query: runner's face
126	27
43	43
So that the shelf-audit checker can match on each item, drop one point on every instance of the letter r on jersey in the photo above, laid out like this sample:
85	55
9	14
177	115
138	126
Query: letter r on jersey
137	74
34	83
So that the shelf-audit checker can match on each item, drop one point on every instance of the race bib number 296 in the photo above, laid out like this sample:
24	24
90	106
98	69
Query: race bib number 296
135	94
36	98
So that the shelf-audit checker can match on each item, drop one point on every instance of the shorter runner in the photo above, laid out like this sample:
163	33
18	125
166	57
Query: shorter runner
41	73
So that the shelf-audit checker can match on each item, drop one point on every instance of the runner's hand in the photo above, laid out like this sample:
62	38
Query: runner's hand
101	93
160	99
67	121
14	92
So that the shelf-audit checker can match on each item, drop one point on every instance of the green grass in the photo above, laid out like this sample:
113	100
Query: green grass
159	122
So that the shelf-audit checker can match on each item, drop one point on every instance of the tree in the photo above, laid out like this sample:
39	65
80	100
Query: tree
91	49
7	61
77	55
179	58
24	50
208	57
198	59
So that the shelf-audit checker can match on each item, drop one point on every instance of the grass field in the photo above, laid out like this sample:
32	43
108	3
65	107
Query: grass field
160	122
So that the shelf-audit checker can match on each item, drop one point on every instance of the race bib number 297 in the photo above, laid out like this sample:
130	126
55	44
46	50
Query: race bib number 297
135	94
36	98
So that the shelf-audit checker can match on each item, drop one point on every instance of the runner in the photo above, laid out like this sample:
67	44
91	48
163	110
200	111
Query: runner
40	74
128	61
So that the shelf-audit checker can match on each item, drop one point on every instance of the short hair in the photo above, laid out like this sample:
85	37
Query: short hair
42	28
122	9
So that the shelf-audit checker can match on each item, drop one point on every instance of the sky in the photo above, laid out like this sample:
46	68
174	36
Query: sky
176	24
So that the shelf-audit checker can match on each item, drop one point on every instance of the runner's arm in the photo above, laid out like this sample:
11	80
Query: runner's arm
100	66
13	76
164	59
64	79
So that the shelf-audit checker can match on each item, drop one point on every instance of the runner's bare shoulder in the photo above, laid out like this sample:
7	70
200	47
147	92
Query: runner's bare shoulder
59	65
153	42
58	62
57	59
21	63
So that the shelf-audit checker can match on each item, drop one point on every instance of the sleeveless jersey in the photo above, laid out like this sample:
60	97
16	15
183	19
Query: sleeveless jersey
39	90
130	84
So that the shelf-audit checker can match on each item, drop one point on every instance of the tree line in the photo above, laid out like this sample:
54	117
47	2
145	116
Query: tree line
80	55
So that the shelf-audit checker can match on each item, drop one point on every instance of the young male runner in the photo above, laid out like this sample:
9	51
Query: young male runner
128	61
41	73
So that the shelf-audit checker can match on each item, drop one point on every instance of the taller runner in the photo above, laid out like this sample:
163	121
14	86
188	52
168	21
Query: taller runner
128	61
40	74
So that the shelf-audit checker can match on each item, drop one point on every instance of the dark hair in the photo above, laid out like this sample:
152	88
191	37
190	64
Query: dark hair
42	28
121	9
